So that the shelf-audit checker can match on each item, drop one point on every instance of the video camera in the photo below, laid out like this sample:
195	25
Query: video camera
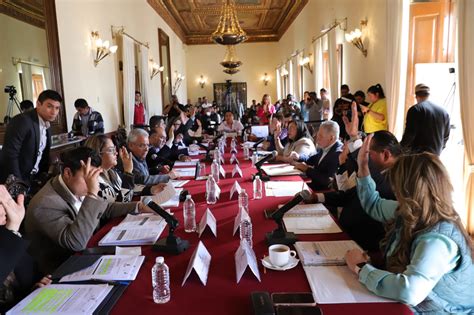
10	89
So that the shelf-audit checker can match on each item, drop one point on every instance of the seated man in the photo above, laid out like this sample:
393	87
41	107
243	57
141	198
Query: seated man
18	271
323	165
230	125
210	120
64	214
86	121
162	154
138	143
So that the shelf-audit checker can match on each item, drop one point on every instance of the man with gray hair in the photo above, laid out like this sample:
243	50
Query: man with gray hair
138	143
322	166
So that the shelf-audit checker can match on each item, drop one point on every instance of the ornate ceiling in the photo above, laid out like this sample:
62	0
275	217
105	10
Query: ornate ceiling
194	20
29	11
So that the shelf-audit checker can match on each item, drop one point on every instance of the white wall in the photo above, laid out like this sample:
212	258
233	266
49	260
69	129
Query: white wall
98	85
257	58
359	72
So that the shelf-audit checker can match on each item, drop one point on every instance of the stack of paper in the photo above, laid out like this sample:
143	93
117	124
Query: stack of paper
63	299
193	162
281	170
167	198
109	268
284	188
185	172
135	230
324	253
317	224
307	210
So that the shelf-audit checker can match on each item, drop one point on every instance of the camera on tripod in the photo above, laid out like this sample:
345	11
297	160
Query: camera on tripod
10	89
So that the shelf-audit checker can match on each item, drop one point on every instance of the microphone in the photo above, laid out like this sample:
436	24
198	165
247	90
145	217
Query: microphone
267	158
170	219
171	244
258	142
304	195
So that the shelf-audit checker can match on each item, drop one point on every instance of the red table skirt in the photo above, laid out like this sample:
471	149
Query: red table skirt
222	295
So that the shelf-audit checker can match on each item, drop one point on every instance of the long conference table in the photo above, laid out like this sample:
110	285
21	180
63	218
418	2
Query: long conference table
222	294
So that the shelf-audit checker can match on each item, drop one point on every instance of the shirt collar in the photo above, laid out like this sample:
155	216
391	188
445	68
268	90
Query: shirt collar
77	201
43	123
326	149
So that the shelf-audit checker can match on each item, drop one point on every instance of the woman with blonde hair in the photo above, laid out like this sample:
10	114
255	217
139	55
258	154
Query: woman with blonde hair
265	110
428	253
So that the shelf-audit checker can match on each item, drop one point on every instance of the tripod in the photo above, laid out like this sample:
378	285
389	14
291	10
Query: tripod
12	100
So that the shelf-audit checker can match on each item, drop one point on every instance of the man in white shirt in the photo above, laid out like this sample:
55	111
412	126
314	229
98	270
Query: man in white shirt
230	125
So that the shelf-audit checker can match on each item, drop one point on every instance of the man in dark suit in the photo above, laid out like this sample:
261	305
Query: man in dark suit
25	152
322	166
162	153
427	125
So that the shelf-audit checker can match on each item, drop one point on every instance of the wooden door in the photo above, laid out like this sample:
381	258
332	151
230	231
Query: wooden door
430	39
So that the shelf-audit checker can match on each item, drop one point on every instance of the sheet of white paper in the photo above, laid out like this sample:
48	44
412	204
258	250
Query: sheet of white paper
208	219
311	225
233	159
145	220
280	170
240	216
236	170
133	236
235	189
132	251
284	188
200	261
185	171
338	285
109	268
187	163
260	131
222	171
307	210
173	202
179	183
245	256
67	299
325	252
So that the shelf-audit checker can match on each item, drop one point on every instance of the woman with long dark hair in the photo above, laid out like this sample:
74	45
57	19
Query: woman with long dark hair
300	145
428	253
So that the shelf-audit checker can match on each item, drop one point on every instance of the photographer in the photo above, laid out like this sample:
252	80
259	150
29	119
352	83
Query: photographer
18	272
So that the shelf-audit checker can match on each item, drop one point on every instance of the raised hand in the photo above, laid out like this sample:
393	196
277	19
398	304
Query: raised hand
127	160
363	157
344	153
352	127
13	211
91	177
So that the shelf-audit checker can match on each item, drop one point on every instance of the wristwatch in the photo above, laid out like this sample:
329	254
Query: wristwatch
359	267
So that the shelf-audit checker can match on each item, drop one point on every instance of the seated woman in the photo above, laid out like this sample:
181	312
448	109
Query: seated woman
300	146
115	186
427	250
276	123
375	115
230	125
18	271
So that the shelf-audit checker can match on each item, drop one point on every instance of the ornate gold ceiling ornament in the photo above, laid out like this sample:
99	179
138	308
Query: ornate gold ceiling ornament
231	71
231	61
228	30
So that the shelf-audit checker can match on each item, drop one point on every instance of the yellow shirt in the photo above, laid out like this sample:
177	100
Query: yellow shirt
371	124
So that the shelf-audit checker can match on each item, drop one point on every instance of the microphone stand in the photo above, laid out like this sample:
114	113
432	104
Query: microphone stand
279	235
263	176
172	244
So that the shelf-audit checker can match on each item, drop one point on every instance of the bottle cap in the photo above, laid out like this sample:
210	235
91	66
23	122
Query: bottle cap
160	260
257	176
188	196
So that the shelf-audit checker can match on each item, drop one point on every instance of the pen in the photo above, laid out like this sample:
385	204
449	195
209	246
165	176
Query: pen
111	282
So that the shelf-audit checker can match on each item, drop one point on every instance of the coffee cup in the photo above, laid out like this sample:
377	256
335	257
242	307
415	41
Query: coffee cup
280	255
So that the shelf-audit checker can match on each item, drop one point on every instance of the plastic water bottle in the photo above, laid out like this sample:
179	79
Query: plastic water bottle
189	212
160	277
257	188
246	153
246	136
243	199
215	170
246	231
211	193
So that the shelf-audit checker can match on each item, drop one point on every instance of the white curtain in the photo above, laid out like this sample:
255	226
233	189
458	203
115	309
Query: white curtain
47	78
278	83
296	77
27	82
396	64
465	66
128	54
145	79
290	86
318	65
333	71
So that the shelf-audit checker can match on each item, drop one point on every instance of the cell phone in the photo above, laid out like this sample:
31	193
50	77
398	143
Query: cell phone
293	299
298	310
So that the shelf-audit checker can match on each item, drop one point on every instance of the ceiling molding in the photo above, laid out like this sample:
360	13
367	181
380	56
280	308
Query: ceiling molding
29	11
195	20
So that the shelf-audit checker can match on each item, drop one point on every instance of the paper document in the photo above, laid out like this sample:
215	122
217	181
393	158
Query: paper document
338	285
284	188
280	170
179	183
64	299
325	252
131	251
122	236
260	131
311	225
109	268
145	220
185	172
306	210
187	163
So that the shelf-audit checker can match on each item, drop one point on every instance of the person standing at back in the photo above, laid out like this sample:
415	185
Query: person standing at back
138	110
375	115
86	121
427	125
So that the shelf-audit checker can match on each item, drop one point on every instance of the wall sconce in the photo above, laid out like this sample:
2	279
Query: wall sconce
355	37
102	48
305	62
177	82
202	81
155	69
265	78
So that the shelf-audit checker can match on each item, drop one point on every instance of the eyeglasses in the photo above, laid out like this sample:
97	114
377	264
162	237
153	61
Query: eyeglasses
110	150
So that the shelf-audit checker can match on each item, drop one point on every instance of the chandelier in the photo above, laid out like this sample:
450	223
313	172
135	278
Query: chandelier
230	59
228	30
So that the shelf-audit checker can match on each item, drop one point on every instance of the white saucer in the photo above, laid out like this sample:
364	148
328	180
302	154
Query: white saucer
293	262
